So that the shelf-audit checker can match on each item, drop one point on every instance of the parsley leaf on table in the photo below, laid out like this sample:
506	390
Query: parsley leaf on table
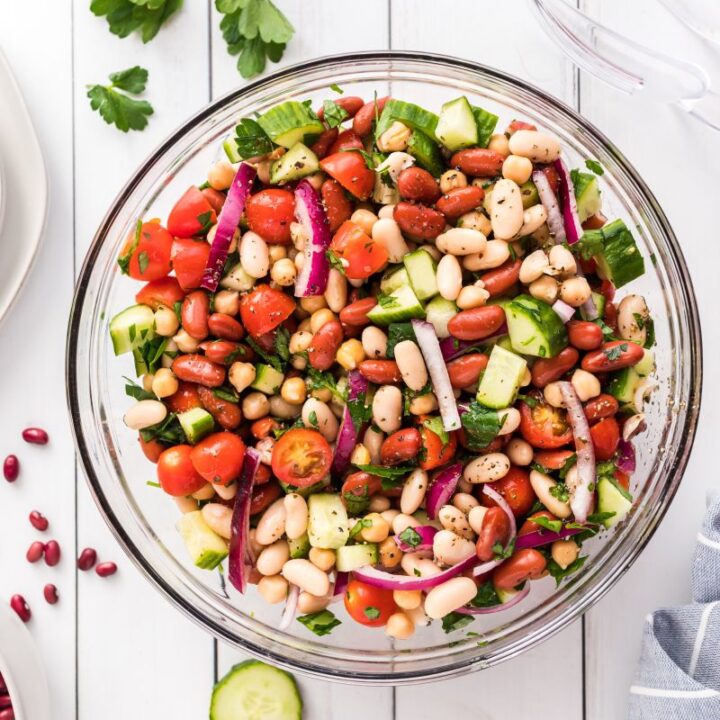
117	108
126	16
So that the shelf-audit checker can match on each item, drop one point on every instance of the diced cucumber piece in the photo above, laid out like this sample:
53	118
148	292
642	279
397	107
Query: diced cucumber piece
624	383
438	313
599	301
253	690
290	122
529	194
399	305
298	162
131	327
613	498
587	193
409	114
618	257
456	128
352	557
426	153
501	380
196	423
299	547
267	379
485	122
534	327
506	595
646	366
421	270
327	521
207	549
394	279
231	151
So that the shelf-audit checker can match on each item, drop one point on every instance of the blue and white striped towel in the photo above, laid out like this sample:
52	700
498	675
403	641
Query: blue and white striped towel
678	676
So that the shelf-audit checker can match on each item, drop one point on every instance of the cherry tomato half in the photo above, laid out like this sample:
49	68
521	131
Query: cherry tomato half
191	214
189	259
147	252
364	256
605	436
301	457
176	473
544	426
350	170
219	457
185	398
516	489
269	213
369	605
435	453
553	459
165	291
263	309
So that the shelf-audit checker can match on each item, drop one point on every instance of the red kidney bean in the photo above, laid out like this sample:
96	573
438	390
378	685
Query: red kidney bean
466	370
610	316
419	222
215	198
225	327
349	103
321	147
401	446
38	521
263	496
365	116
324	345
547	370
35	551
50	594
603	406
356	312
35	436
198	369
346	140
594	222
87	559
478	162
52	553
501	279
459	201
105	569
20	606
11	468
495	528
263	427
477	323
222	351
380	372
516	125
414	183
351	331
226	413
194	314
584	335
525	564
613	355
338	207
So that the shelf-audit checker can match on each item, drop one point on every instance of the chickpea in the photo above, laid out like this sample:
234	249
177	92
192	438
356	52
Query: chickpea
575	291
221	175
350	354
299	341
227	302
277	252
185	342
516	168
282	409
399	626
294	391
379	504
164	383
360	455
241	375
407	599
283	272
452	179
545	289
166	322
564	552
390	553
586	385
500	144
273	588
553	395
255	405
147	382
322	558
321	317
395	138
377	530
313	303
423	404
365	219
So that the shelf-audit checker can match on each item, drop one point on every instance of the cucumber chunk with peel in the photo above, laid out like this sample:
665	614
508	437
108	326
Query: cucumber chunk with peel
206	548
327	521
501	380
131	327
456	127
534	327
298	162
290	123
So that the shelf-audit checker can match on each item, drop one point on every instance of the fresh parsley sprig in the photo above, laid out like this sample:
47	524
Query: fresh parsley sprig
118	108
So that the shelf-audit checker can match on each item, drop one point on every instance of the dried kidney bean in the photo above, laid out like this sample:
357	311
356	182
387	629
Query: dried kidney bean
478	162
35	436
52	553
324	345
614	355
20	606
35	551
194	314
401	446
87	559
226	413
465	371
11	468
105	569
417	184
225	327
50	594
364	117
38	521
419	222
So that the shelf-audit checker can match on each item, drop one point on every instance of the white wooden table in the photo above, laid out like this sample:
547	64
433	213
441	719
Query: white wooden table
115	648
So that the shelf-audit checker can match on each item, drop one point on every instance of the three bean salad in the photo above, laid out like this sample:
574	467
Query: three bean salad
382	362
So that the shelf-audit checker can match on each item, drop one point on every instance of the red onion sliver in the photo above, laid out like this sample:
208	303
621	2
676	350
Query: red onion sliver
341	583
442	489
564	311
543	537
486	567
426	533
290	607
348	434
313	276
521	595
502	504
551	205
571	219
626	461
452	348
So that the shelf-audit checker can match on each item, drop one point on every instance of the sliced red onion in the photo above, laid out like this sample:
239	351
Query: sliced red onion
227	223
313	276
437	369
626	459
290	607
581	496
452	348
543	537
348	434
573	226
564	311
479	570
341	583
551	205
518	597
502	504
426	533
442	489
239	561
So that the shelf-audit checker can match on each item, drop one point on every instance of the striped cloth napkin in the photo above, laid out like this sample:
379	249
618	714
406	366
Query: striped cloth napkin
678	675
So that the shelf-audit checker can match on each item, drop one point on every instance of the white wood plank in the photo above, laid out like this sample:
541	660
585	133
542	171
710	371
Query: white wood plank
126	628
32	359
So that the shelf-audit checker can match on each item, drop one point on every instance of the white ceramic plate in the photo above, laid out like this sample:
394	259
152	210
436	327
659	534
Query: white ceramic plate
23	190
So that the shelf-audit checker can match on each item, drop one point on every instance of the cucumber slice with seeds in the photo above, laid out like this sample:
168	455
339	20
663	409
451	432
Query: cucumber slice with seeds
290	123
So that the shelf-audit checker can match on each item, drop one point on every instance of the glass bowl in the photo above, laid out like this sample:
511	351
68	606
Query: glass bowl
143	518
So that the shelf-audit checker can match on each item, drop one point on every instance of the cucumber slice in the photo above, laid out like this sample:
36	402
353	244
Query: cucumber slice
618	257
352	557
399	305
409	114
501	380
267	379
613	498
231	151
587	193
327	521
438	313
534	327
599	301
646	366
485	122
290	123
529	194
624	383
131	327
207	549
506	595
394	279
421	270
196	423
253	690
298	162
299	547
456	128
426	153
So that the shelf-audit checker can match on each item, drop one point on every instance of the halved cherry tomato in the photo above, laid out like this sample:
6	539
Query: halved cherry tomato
189	258
219	457
553	459
605	436
623	479
262	428
176	472
185	398
544	426
191	214
301	457
147	252
364	255
515	487
263	309
165	291
361	485
350	170
434	452
337	206
369	605
269	213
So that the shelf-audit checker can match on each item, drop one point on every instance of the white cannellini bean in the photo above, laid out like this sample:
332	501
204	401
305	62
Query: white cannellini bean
454	520
226	492
271	526
309	603
542	484
336	291
402	522
327	423
476	516
387	408
506	209
145	413
487	468
272	558
279	407
296	515
472	296
411	364
461	241
495	254
534	145
533	266
386	211
450	549
387	232
186	504
630	309
254	255
217	517
519	451
413	492
511	420
374	342
464	502
273	589
306	576
533	218
449	277
373	440
449	596
586	385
